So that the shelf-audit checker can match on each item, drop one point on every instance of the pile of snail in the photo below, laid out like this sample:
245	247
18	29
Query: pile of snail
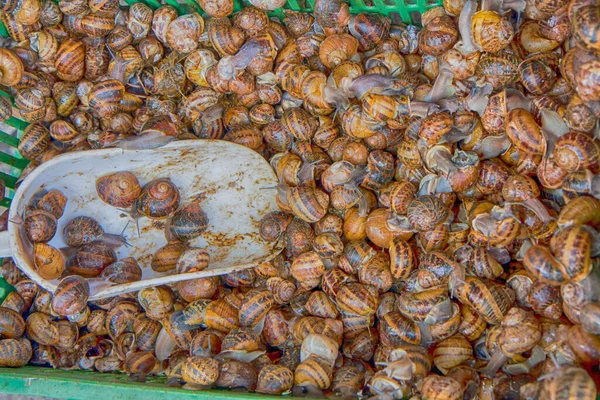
438	190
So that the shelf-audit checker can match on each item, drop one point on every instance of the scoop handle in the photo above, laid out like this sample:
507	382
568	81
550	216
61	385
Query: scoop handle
5	249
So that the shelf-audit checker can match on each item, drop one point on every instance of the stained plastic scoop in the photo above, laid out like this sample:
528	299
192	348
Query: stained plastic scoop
226	177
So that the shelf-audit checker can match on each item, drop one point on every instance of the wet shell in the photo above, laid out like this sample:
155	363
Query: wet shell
426	212
120	189
200	370
81	230
188	223
40	226
123	271
35	141
165	259
490	31
15	352
12	324
49	262
576	151
274	379
70	65
92	258
42	329
354	298
159	199
70	296
255	306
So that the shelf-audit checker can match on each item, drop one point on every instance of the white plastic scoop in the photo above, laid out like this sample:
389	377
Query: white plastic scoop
227	176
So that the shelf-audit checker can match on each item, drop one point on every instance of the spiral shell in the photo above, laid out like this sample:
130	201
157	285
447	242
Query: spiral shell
48	261
40	226
158	199
187	223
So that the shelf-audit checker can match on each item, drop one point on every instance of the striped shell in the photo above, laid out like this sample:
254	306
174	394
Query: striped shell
70	60
524	133
81	230
70	296
200	370
12	324
426	212
255	306
120	189
274	379
354	298
15	352
35	140
187	223
40	226
159	199
489	299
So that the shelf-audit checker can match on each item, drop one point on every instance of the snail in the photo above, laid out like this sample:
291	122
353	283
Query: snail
187	223
83	230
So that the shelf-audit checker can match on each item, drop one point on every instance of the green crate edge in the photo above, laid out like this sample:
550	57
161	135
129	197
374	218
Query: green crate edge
87	385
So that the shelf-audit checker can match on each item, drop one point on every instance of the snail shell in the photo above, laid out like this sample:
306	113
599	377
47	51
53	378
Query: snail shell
40	226
274	379
156	301
15	352
12	324
165	259
120	189
70	296
35	141
81	230
200	370
49	262
426	212
42	329
54	202
125	270
187	223
92	258
159	199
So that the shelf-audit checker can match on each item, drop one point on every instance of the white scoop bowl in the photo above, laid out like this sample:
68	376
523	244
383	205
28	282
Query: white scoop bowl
228	176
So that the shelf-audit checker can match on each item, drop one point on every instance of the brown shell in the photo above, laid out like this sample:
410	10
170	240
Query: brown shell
42	329
426	212
35	141
165	259
489	299
187	223
355	298
200	370
40	226
49	262
490	31
70	296
438	36
54	202
92	258
70	65
159	199
81	230
120	189
452	352
125	270
576	151
274	379
15	352
395	329
12	324
255	306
